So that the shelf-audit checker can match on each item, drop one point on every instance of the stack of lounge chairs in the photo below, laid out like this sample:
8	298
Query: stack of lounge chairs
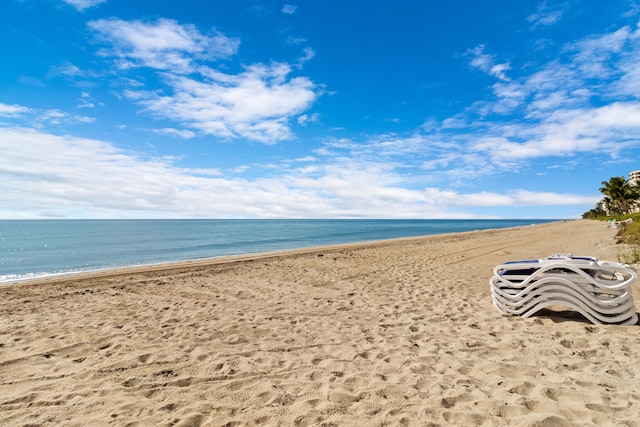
599	290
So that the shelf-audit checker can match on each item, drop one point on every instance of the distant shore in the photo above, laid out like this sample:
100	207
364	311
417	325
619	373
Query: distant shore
397	332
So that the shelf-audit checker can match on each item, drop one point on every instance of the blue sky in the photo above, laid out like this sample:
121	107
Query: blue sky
315	109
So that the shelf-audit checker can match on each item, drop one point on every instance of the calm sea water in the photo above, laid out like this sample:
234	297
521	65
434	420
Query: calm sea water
36	248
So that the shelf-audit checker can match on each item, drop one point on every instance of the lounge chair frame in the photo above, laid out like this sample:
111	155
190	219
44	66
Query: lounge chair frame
599	290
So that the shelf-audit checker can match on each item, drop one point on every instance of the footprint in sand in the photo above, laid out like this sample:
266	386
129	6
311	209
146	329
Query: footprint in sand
195	420
344	396
144	358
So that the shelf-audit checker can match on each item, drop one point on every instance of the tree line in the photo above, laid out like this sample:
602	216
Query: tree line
620	198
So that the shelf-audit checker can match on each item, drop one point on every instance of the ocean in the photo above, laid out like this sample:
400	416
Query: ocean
39	248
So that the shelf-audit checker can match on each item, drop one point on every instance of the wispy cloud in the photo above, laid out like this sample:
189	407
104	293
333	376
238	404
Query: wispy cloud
40	117
179	133
163	44
85	101
289	9
510	198
292	40
66	69
546	16
81	5
609	129
595	57
57	117
308	55
12	110
305	119
488	64
559	109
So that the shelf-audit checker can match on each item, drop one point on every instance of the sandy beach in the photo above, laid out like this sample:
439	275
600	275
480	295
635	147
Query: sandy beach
393	333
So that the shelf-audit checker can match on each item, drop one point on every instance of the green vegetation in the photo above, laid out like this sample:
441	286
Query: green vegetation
620	196
621	202
629	236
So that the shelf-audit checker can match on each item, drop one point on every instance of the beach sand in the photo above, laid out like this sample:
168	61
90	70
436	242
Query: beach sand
399	332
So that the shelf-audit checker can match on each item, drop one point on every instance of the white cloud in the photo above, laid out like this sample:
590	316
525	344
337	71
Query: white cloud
12	110
309	54
510	96
45	173
582	102
74	172
295	40
163	44
545	16
305	119
81	5
601	65
600	47
441	162
608	129
57	117
255	104
289	9
511	198
456	122
306	159
40	118
593	55
498	70
180	133
85	101
66	69
486	62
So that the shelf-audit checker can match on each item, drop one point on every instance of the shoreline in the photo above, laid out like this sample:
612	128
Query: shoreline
169	265
393	332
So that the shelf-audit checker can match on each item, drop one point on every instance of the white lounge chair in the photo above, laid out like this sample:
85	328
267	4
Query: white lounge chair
599	290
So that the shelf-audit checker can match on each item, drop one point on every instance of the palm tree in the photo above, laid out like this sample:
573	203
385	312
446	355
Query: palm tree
619	195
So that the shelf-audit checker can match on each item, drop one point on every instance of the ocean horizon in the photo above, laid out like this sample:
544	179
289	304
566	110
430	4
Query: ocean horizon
40	248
